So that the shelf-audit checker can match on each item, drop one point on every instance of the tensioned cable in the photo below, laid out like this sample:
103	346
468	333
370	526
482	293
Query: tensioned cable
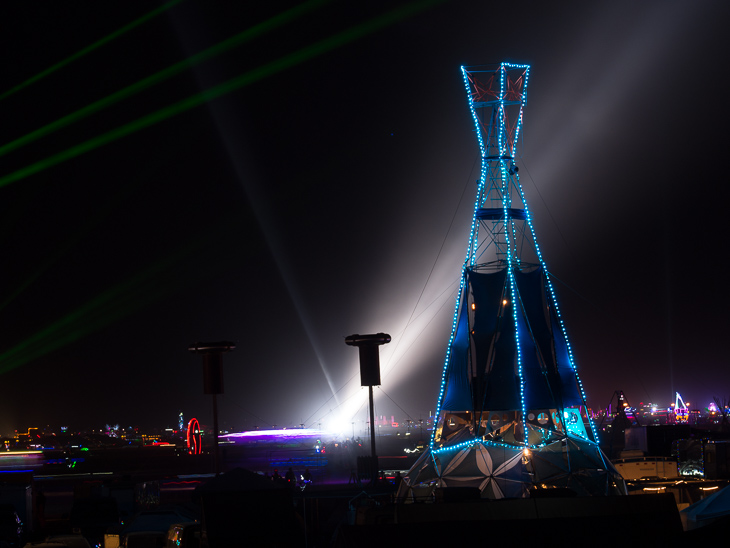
88	49
359	409
554	277
433	266
424	327
396	403
364	403
562	237
644	387
544	203
247	411
422	312
340	404
332	396
356	374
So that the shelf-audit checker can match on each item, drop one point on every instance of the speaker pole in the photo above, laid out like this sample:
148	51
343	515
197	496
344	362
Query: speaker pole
213	381
369	376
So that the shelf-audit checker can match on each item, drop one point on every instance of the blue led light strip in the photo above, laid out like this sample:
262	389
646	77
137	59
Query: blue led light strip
488	443
468	260
554	301
506	148
510	235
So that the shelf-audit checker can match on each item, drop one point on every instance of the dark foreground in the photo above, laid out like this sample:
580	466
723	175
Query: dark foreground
243	506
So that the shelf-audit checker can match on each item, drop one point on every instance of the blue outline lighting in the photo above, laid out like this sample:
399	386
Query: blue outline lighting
497	170
487	443
554	302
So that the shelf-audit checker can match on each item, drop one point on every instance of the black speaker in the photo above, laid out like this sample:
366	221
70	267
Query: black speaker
212	373
369	365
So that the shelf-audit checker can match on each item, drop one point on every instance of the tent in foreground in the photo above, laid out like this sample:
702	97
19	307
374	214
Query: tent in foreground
708	510
511	415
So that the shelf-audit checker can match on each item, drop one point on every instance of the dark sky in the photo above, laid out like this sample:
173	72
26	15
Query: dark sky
328	191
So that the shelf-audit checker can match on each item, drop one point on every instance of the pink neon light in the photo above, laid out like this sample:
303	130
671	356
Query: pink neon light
193	439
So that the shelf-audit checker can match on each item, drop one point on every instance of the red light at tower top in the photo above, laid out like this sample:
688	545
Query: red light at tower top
194	441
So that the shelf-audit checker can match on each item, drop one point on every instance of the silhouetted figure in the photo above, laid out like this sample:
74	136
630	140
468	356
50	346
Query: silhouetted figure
275	476
307	475
290	478
353	478
397	479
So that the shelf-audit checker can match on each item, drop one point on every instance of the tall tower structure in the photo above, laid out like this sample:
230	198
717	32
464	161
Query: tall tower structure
511	414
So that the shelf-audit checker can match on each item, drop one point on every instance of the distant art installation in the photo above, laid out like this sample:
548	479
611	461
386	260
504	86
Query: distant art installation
511	414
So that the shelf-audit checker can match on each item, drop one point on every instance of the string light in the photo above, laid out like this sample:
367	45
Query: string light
497	145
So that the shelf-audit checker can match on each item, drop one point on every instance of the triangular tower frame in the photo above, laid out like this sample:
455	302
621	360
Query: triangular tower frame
511	413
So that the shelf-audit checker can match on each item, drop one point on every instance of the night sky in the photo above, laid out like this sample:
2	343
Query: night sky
327	188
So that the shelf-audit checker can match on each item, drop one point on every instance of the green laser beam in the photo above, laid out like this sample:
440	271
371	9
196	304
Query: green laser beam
117	302
92	315
99	214
165	74
253	76
90	48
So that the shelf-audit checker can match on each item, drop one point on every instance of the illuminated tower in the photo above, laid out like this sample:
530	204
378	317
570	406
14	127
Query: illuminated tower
511	414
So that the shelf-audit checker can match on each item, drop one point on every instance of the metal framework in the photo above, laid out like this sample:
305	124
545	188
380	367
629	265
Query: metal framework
496	99
511	412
